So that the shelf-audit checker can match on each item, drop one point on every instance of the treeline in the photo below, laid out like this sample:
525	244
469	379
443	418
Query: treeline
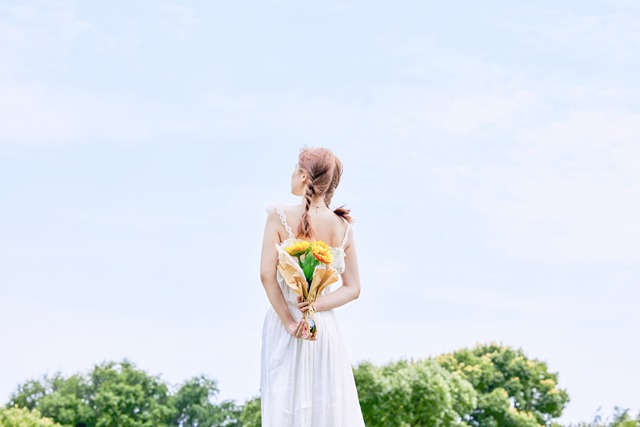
485	386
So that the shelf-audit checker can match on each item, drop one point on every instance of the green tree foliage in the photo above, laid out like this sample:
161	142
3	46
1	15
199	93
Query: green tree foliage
485	386
512	389
251	413
23	417
194	406
422	393
120	395
58	398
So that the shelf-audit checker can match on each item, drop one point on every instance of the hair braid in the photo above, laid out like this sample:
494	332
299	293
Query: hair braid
336	172
323	170
305	229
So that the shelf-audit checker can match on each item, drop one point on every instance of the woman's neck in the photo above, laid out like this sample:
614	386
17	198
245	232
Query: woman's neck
316	201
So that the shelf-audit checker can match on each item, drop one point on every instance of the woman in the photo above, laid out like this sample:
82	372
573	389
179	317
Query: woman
306	379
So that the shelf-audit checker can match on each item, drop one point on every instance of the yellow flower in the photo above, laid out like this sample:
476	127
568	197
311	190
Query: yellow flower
298	248
322	252
321	244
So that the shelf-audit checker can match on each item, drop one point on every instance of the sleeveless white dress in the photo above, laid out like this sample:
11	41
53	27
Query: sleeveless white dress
307	383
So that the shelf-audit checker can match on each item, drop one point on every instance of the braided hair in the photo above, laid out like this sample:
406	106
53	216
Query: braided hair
323	170
337	173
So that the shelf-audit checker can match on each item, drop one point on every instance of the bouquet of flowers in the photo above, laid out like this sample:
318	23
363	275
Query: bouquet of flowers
305	267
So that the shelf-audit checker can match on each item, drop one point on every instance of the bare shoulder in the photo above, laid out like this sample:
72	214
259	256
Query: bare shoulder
273	216
291	210
271	210
273	219
275	207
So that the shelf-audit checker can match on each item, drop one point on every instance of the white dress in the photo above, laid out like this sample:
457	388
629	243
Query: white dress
307	383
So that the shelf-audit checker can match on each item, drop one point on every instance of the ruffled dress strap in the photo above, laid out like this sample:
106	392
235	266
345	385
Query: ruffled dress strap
346	235
283	220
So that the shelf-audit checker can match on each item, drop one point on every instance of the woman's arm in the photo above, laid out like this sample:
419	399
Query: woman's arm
350	288
268	263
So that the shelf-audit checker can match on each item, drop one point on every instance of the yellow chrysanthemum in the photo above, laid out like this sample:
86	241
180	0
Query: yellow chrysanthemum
298	248
321	244
322	252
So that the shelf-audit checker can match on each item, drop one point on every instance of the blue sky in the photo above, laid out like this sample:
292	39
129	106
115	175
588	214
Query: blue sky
491	162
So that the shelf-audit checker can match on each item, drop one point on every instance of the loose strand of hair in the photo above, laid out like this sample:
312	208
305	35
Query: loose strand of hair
343	213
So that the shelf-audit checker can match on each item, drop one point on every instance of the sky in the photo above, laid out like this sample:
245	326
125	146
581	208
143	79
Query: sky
491	160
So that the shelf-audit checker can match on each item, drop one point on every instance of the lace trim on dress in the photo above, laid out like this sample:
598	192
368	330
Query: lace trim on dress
346	236
283	220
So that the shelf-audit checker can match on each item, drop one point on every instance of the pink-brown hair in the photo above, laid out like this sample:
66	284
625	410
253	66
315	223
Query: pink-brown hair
323	170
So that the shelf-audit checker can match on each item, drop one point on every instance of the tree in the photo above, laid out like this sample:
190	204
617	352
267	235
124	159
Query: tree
58	398
512	389
251	415
194	405
120	395
23	417
408	393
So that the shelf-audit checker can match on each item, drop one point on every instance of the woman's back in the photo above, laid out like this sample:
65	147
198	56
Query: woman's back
327	225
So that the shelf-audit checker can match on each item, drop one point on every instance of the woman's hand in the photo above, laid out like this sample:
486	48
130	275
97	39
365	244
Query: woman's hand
304	306
300	330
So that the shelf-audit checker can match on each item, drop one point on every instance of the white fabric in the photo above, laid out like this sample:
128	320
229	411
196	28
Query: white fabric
307	383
